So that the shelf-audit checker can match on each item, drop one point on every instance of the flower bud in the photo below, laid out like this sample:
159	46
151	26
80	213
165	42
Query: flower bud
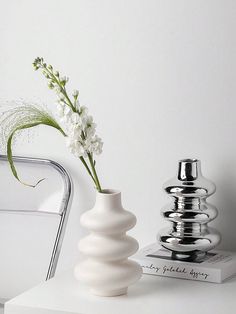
75	93
50	85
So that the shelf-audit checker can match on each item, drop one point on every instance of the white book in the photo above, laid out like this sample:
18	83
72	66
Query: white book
215	267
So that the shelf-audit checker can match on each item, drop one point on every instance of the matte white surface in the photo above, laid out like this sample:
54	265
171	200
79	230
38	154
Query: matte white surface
107	269
152	294
159	78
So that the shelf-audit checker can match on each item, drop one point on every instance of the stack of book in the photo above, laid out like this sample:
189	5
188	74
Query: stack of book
215	267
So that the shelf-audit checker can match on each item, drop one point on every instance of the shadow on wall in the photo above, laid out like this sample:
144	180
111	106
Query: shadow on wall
226	204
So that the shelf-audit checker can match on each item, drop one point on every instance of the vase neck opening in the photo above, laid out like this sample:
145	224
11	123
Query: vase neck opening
109	192
109	199
189	169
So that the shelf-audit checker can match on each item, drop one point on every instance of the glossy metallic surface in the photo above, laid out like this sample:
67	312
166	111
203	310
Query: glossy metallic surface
189	237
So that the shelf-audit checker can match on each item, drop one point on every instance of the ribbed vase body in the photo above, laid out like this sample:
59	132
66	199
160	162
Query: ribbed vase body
107	270
189	237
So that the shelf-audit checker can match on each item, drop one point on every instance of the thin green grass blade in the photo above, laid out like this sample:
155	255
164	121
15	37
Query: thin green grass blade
20	119
9	154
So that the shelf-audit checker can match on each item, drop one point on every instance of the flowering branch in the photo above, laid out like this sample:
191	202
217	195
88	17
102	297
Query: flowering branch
81	138
77	126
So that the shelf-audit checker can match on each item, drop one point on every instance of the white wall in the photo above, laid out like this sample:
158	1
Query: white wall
159	78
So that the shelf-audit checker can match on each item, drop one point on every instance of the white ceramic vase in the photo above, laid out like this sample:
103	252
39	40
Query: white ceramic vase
107	270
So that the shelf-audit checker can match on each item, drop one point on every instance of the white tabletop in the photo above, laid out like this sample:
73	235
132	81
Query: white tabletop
151	295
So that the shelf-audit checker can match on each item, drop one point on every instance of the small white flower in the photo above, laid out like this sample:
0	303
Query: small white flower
97	145
94	145
90	128
64	80
75	131
86	120
75	118
75	93
91	131
75	147
83	112
60	109
68	111
89	120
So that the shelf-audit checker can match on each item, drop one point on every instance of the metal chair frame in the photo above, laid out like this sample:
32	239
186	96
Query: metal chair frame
64	210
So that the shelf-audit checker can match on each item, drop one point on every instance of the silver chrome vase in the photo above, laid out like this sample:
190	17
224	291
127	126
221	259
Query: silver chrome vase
189	238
